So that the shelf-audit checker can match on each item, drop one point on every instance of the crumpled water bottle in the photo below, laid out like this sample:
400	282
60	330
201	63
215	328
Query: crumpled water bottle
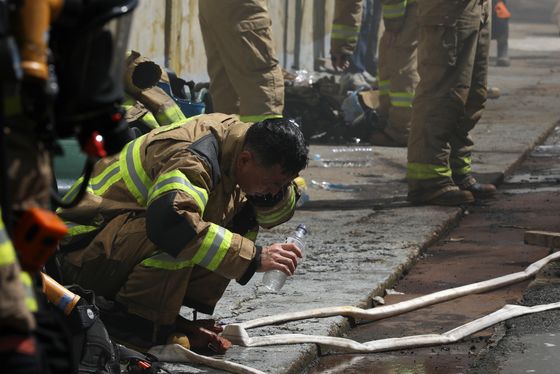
274	279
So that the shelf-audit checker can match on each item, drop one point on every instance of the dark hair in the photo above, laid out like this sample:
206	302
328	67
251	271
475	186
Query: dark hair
278	141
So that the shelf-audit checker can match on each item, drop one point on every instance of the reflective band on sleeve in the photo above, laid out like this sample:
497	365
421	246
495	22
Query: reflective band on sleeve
384	87
150	120
170	115
162	260
249	119
75	229
426	171
133	174
272	217
73	191
344	32
392	11
214	247
30	300
7	252
106	179
401	99
175	124
176	180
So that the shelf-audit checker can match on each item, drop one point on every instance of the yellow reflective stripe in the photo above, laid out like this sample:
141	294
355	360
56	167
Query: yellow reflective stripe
162	260
401	99
248	119
384	87
251	235
7	252
176	180
391	11
133	174
426	171
175	125
170	115
150	120
106	179
465	169
268	218
75	229
214	247
128	103
30	300
73	191
345	32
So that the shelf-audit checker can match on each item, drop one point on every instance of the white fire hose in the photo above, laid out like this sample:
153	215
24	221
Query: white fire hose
237	333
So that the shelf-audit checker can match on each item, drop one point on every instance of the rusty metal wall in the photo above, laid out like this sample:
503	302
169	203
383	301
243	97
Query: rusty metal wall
168	32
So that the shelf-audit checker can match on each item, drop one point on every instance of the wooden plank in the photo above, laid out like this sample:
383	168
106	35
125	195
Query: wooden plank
542	238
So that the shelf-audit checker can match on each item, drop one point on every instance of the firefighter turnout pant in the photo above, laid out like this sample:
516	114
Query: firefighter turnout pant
398	75
245	77
122	264
452	63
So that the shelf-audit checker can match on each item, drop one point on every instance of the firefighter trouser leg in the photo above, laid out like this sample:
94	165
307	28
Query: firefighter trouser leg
122	264
452	54
461	143
398	76
241	58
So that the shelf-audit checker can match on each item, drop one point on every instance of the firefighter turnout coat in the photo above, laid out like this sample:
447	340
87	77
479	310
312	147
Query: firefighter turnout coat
164	224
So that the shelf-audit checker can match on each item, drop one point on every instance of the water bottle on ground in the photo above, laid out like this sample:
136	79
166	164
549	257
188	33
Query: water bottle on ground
275	279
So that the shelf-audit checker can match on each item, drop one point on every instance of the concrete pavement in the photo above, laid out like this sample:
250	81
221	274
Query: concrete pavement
363	234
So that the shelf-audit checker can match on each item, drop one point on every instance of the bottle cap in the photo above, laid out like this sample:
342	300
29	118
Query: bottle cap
301	227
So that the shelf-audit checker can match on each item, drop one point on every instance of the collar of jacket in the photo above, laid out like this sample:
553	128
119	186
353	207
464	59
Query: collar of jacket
232	146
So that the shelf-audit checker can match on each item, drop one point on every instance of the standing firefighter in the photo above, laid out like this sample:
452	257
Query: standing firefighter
345	31
245	77
453	63
173	218
398	75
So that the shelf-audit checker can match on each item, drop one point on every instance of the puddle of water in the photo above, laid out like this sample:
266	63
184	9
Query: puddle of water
342	163
352	149
332	186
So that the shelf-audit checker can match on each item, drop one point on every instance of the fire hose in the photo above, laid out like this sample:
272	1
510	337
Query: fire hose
237	333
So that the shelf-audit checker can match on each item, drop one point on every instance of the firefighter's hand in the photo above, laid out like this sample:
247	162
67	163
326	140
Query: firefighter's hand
340	61
280	256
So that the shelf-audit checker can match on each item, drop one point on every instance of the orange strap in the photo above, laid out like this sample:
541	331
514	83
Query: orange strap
501	10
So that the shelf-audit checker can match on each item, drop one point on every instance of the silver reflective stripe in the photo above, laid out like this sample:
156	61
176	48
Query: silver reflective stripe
182	181
133	174
214	247
3	236
113	172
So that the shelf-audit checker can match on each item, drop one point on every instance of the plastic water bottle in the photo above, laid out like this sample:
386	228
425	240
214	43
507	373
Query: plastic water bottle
275	279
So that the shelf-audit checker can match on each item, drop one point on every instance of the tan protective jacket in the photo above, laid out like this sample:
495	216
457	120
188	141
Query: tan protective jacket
182	178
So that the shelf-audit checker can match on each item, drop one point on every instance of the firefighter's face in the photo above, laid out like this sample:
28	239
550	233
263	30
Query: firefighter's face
257	180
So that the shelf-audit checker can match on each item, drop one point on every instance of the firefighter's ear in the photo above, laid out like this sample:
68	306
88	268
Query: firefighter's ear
245	158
